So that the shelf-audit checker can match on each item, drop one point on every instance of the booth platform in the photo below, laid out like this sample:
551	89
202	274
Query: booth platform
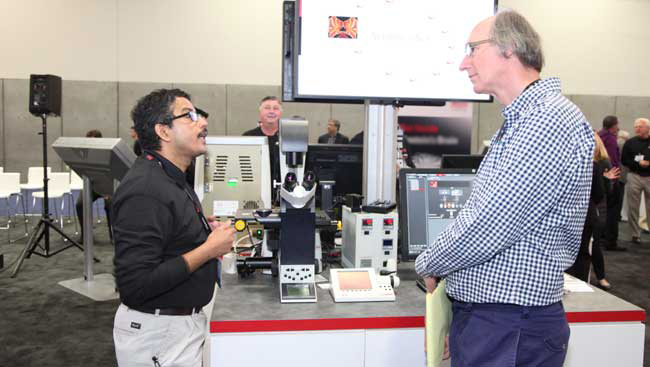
250	327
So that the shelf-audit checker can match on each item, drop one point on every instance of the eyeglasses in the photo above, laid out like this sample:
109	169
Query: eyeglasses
194	116
202	113
471	46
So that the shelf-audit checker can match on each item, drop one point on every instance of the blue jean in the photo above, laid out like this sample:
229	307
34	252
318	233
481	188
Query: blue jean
503	335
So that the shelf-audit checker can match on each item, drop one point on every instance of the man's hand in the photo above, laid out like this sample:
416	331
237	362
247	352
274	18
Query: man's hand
215	224
644	163
220	239
431	284
218	243
446	354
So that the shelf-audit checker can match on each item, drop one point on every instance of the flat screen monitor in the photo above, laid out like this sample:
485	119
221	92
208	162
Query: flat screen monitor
463	161
386	51
430	200
341	163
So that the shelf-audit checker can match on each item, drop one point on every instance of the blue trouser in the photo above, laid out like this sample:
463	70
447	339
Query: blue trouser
504	335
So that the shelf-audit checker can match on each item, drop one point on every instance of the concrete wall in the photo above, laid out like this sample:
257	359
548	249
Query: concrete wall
106	106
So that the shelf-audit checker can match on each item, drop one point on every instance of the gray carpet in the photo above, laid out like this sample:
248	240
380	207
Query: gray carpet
43	324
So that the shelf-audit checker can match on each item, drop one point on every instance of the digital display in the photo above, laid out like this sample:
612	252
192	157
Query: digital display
354	280
387	49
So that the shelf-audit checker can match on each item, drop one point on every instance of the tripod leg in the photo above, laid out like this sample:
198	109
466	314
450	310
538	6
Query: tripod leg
29	248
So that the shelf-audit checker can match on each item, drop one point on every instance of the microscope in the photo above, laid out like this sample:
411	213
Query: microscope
291	230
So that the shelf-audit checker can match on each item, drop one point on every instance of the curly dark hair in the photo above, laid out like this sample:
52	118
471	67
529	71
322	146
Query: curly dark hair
152	109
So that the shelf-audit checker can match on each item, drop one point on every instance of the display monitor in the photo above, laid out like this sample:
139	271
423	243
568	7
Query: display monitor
430	200
341	163
387	51
463	161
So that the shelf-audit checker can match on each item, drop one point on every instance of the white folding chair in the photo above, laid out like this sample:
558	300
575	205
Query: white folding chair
58	187
35	178
9	187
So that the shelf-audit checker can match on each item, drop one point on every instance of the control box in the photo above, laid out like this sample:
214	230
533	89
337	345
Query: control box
369	240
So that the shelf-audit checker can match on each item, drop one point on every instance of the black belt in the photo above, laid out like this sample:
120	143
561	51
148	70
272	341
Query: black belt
183	311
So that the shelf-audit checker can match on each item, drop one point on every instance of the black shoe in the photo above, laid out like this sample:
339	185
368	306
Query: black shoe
636	240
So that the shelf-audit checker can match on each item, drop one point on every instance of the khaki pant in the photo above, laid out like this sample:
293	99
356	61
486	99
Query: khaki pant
633	188
140	338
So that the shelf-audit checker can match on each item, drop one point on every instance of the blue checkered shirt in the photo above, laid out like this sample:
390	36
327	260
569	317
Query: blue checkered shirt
522	224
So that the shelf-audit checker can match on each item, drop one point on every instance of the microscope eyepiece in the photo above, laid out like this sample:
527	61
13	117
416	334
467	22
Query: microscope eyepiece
309	180
290	181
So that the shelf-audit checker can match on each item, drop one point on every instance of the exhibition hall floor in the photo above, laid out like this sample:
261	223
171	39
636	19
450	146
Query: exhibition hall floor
44	324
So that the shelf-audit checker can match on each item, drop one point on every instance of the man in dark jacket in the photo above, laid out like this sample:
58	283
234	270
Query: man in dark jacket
636	157
333	135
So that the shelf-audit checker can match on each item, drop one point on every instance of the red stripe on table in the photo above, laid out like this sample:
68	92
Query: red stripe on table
316	324
606	316
389	322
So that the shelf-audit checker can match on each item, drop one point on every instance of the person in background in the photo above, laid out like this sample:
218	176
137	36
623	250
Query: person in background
270	112
333	135
505	255
608	134
603	175
636	158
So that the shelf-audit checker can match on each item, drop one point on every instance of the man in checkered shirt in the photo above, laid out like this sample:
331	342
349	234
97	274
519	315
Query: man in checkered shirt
504	256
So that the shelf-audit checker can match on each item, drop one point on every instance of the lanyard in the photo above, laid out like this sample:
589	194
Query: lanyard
197	206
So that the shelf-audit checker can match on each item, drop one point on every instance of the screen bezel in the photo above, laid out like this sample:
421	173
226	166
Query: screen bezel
290	53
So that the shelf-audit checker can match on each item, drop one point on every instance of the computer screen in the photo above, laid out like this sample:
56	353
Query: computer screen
339	49
342	163
430	200
468	161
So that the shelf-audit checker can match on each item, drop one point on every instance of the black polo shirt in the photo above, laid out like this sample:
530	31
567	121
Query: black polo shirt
274	155
157	219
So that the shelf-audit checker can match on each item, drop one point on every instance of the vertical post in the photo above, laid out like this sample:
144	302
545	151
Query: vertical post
87	226
46	198
379	150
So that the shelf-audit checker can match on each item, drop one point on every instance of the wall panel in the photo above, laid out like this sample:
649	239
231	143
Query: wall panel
211	98
595	108
87	106
629	109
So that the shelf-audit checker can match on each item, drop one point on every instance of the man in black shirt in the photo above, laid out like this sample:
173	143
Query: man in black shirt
165	249
269	125
636	157
333	135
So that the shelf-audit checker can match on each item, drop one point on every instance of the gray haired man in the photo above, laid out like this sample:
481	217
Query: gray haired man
505	254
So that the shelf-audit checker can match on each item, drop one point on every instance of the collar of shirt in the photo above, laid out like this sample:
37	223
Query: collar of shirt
170	168
527	100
